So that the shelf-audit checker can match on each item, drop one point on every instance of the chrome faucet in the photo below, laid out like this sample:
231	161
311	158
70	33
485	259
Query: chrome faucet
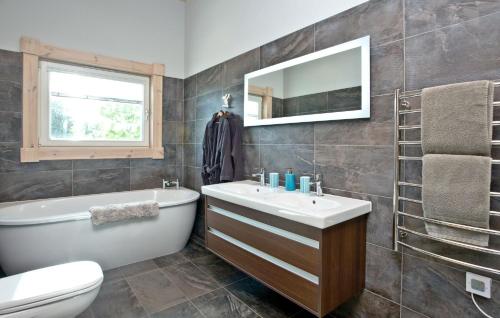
171	184
317	183
262	176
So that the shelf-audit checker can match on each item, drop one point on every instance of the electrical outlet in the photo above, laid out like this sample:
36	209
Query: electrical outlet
478	285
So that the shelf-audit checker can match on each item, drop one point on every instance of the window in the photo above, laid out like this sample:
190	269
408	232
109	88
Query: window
79	105
82	106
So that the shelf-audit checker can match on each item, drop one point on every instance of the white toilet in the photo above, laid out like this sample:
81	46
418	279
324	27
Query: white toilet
60	291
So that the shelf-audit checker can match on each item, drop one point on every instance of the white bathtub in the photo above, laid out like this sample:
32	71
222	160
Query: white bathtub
35	234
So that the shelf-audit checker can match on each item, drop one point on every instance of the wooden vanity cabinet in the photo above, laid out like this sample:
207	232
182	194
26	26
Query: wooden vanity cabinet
318	269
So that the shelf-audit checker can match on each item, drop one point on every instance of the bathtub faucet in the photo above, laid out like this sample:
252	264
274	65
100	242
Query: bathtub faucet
171	184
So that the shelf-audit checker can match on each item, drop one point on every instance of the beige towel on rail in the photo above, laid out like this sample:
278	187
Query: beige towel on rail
456	189
123	211
456	118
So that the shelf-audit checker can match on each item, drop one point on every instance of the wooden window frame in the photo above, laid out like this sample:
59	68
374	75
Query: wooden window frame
267	99
32	52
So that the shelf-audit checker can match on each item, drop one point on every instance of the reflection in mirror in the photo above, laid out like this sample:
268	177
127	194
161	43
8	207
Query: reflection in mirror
326	82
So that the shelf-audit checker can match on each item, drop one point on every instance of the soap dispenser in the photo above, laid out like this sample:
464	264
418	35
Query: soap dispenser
289	180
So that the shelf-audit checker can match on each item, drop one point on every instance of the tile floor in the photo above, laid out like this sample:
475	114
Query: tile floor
192	283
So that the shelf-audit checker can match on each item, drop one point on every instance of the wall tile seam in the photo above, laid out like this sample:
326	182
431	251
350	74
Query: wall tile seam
5	81
390	144
359	193
301	145
355	145
10	143
98	169
234	85
380	296
386	43
384	247
454	24
11	112
371	46
34	171
413	310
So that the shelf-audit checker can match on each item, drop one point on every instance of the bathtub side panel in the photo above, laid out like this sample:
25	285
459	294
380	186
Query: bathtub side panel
24	248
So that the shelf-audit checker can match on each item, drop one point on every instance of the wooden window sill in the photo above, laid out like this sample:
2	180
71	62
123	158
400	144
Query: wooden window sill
73	153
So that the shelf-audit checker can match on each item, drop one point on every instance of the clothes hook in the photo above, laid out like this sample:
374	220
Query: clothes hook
227	100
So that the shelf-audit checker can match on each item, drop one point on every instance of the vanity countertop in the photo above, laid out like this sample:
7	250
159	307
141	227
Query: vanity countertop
309	209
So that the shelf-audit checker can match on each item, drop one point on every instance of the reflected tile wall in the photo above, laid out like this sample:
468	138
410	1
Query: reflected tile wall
415	43
48	179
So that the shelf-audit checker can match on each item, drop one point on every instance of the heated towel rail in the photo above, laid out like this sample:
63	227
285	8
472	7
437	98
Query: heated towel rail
402	109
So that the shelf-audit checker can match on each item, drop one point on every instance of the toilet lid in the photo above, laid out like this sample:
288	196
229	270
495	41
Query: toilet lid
48	282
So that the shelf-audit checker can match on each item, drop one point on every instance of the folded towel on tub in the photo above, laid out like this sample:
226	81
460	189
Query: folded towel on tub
456	189
456	119
124	211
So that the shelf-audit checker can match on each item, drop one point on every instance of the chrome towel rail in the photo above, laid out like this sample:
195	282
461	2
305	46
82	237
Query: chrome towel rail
451	260
401	107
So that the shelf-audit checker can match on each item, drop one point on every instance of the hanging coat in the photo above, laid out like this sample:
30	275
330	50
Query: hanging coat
222	154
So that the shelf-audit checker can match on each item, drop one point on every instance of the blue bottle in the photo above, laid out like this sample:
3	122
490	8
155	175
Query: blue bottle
289	180
274	180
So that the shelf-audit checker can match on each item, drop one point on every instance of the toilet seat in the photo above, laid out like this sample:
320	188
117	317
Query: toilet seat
46	285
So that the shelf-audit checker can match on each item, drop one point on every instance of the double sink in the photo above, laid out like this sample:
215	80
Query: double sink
309	209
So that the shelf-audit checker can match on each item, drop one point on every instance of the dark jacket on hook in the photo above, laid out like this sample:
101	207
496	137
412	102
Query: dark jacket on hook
222	154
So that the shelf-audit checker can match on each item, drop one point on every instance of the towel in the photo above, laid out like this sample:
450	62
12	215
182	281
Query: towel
456	189
119	212
456	119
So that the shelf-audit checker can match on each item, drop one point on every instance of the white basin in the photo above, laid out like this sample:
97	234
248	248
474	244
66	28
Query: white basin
320	212
245	188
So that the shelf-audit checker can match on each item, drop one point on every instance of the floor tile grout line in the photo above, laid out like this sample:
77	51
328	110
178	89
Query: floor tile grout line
206	273
249	307
162	272
140	273
187	297
198	309
135	295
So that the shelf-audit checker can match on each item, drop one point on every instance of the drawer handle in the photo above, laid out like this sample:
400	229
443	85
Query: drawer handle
266	227
286	266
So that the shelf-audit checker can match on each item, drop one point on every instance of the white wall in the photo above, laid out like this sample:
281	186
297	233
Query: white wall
150	31
217	30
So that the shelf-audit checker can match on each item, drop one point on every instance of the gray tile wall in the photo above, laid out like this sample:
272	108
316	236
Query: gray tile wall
332	101
47	179
415	43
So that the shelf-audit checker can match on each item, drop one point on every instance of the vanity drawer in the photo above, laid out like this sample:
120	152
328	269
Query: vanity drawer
291	248
301	290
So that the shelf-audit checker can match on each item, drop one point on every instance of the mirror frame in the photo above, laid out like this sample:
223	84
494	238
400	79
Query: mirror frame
364	112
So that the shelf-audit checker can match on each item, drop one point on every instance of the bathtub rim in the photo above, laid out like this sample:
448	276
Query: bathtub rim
83	215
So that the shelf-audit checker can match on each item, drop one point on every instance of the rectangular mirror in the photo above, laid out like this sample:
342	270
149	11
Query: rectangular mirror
331	84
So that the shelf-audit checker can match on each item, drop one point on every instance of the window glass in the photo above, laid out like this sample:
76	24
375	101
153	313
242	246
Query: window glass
84	105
